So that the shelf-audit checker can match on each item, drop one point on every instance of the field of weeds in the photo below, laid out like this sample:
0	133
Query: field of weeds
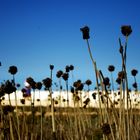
107	122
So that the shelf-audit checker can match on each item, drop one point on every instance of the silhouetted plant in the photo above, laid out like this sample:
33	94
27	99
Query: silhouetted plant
13	70
88	82
67	68
85	32
135	85
126	30
134	72
2	90
78	85
38	85
118	80
31	82
59	73
78	88
9	87
51	67
86	36
47	83
71	67
106	81
65	76
111	69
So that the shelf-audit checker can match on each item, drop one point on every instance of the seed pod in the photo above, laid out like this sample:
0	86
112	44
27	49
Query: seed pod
126	30
13	70
85	32
111	68
134	72
88	82
51	67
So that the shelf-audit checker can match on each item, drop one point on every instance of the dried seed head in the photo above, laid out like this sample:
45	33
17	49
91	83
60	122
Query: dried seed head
126	30
134	72
111	68
85	32
13	70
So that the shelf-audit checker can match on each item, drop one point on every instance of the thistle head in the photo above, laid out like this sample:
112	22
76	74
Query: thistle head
134	72
85	32
13	70
126	30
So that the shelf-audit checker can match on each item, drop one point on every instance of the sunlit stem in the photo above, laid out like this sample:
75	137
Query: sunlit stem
96	75
126	87
52	109
112	81
16	109
41	121
60	92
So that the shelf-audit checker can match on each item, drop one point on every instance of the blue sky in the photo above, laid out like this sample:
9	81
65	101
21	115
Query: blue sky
37	33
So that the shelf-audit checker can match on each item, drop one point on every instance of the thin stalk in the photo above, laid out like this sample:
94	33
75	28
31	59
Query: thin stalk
52	110
67	88
33	111
96	75
41	119
127	91
60	92
11	129
106	106
16	110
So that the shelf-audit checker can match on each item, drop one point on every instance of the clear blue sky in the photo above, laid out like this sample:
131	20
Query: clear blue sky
37	33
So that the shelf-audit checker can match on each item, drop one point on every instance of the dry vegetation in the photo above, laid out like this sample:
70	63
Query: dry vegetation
78	123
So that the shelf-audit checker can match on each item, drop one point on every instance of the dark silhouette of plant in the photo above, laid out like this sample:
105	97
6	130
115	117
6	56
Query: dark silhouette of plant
85	31
51	67
59	73
134	72
67	69
65	77
126	30
13	70
59	76
111	69
38	85
71	67
88	83
31	82
118	80
2	90
47	83
78	85
9	87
